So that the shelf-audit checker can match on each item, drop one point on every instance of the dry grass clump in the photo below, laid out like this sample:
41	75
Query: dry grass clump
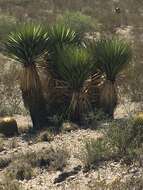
92	119
135	183
20	170
4	161
94	151
54	158
126	139
13	143
23	166
8	184
1	145
122	141
46	136
10	95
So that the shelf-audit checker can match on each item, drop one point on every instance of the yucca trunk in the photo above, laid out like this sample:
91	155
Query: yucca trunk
108	98
74	107
32	96
78	105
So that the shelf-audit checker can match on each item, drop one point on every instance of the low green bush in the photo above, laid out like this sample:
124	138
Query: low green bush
125	138
120	141
94	151
78	21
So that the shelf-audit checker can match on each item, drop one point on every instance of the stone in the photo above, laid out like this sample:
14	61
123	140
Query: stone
69	126
8	126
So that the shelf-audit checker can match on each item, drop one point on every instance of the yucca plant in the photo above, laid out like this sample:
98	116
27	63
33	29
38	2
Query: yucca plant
74	68
111	56
58	37
26	45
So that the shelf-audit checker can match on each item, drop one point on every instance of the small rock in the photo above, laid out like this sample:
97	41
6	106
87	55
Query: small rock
68	126
134	170
8	126
30	143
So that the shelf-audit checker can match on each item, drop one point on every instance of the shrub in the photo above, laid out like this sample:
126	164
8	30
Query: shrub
137	129
138	119
132	183
20	170
125	139
91	119
119	142
95	150
7	24
4	161
1	145
10	95
45	136
56	120
8	184
119	137
78	21
13	143
28	157
55	158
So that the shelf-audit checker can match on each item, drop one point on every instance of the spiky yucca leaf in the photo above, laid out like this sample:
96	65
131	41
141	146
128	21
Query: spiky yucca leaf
59	36
27	44
62	35
74	66
112	55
